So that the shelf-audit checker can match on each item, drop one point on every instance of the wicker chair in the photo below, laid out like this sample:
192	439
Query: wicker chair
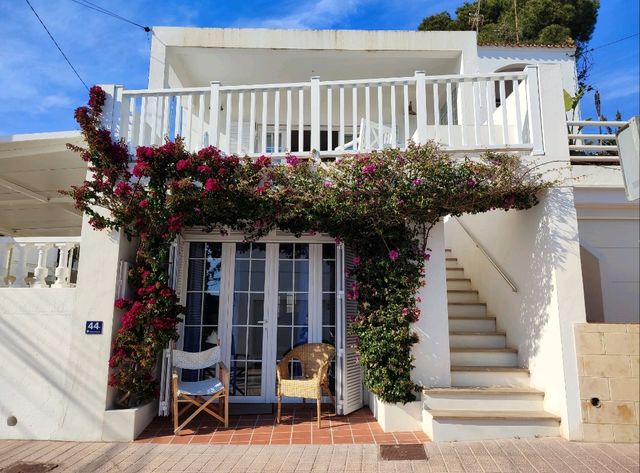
200	394
315	359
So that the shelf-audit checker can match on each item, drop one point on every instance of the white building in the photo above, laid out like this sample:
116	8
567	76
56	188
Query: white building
503	296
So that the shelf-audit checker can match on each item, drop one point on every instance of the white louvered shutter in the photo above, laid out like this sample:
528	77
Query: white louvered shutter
350	376
177	263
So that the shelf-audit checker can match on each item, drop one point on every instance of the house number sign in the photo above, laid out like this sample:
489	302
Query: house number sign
93	327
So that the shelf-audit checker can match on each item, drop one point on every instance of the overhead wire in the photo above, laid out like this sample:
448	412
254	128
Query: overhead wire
104	11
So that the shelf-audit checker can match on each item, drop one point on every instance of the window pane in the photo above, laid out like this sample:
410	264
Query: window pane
242	250
213	275
286	250
257	276
209	337
258	250
329	276
284	341
196	273
329	335
196	250
328	251
191	339
210	310
193	309
285	276
240	302
301	251
254	343
239	343
214	250
328	309
254	379
300	335
302	276
285	309
242	275
301	310
256	308
237	371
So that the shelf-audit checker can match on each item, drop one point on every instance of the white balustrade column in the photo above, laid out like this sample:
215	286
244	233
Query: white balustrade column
63	272
315	114
421	107
41	272
19	266
5	248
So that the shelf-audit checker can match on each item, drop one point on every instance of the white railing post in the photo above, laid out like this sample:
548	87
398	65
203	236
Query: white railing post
5	249
41	271
62	271
109	114
20	251
315	114
421	107
533	106
214	107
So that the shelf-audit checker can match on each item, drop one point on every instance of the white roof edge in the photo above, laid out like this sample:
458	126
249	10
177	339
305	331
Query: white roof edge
48	135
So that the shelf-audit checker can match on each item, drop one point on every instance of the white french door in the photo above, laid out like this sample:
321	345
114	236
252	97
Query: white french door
258	300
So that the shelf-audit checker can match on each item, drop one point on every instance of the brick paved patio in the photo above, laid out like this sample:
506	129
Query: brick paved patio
537	455
298	427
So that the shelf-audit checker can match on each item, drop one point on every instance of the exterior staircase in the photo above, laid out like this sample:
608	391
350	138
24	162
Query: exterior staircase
490	395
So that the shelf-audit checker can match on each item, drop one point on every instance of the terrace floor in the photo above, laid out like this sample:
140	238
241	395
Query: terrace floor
298	426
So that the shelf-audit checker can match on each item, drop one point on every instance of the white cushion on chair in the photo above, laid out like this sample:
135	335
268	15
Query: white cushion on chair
206	387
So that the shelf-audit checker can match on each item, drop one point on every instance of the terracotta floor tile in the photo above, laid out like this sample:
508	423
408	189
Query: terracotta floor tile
201	439
182	439
280	435
280	441
220	440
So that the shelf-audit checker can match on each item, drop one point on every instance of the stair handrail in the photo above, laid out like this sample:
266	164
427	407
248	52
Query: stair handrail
494	263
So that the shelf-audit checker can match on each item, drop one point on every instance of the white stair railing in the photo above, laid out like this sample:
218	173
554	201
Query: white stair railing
588	143
37	262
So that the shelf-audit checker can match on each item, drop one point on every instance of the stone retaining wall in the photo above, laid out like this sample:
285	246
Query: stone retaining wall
608	372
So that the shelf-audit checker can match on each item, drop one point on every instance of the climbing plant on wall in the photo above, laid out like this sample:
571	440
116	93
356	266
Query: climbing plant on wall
381	204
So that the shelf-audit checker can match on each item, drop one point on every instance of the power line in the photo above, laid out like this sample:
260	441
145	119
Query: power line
104	11
612	42
57	45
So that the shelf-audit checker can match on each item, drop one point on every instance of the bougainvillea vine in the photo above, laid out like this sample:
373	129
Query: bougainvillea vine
382	205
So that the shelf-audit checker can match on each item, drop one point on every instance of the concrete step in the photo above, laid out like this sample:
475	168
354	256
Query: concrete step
452	263
461	425
490	376
457	295
477	339
463	284
472	324
455	273
507	357
467	309
483	399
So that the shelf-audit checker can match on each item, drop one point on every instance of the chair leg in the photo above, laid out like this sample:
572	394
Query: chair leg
226	410
319	404
279	416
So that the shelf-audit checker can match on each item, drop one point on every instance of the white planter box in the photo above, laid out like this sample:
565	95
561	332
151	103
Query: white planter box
124	425
397	417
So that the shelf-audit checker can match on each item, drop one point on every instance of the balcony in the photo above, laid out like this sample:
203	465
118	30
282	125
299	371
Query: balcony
465	113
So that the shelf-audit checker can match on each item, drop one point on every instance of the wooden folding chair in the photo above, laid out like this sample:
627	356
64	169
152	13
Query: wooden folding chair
200	394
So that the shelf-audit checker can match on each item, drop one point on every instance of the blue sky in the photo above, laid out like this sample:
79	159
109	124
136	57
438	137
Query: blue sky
38	91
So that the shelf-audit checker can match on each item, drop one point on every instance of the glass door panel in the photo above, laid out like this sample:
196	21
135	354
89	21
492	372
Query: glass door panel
247	321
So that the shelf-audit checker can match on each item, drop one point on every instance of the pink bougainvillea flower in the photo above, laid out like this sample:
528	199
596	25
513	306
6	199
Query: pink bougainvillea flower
212	184
327	184
293	161
122	189
393	255
472	182
144	203
204	169
416	182
369	169
356	260
182	164
405	311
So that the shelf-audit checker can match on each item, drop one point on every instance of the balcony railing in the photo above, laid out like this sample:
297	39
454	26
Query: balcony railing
463	112
38	261
592	141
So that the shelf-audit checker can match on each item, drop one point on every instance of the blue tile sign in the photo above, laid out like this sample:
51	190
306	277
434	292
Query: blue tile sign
93	327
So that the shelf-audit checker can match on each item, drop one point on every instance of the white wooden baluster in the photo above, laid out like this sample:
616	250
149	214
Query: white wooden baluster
19	264
449	104
41	271
288	125
436	109
5	249
301	120
394	138
240	113
405	96
533	107
503	106
329	119
265	106
276	121
421	107
380	119
367	117
315	113
354	117
166	107
516	90
475	92
200	129
62	270
460	118
342	119
227	125
214	105
491	105
155	112
133	140
178	118
189	125
123	131
73	253
252	122
142	126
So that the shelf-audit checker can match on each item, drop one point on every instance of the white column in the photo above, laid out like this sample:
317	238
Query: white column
315	114
19	268
421	107
5	247
62	270
41	272
213	113
534	109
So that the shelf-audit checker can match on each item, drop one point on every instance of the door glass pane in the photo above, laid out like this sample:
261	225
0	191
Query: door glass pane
293	300
202	303
247	322
329	304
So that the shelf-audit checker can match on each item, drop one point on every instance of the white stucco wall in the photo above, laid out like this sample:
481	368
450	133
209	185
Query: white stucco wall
35	333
